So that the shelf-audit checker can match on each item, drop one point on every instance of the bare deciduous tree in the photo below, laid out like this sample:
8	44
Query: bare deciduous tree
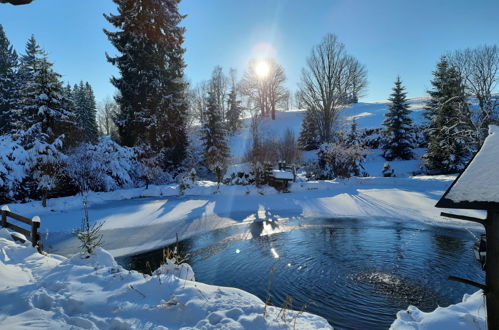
479	69
331	80
105	118
265	93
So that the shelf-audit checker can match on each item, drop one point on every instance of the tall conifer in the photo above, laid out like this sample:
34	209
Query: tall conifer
397	126
151	84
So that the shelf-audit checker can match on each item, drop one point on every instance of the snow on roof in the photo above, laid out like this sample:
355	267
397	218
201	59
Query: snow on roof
278	174
480	180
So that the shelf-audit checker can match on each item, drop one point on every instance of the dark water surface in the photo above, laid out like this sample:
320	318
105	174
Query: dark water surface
355	273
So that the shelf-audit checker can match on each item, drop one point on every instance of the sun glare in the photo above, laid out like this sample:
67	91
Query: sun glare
262	69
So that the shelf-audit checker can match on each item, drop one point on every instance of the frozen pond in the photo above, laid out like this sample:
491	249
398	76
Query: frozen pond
355	273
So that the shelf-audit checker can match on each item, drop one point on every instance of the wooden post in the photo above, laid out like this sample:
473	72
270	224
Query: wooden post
35	237
4	218
492	269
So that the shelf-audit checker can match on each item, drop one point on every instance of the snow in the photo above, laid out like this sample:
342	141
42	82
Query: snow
150	219
52	292
279	174
469	314
480	180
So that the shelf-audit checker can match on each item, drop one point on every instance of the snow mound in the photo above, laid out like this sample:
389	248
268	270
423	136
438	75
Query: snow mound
99	259
469	314
183	271
49	292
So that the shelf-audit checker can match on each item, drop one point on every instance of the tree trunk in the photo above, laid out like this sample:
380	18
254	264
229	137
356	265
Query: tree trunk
492	270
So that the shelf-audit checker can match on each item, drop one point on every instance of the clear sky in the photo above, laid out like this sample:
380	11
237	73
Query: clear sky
391	37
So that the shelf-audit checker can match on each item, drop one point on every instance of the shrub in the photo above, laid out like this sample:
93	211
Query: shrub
336	160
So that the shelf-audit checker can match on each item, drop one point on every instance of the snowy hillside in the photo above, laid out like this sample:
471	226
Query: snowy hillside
367	115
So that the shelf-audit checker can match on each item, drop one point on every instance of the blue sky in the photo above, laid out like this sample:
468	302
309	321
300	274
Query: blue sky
391	37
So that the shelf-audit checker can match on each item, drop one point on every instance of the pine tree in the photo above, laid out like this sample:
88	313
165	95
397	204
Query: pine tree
85	109
216	150
449	130
49	127
9	85
152	100
309	135
233	112
398	126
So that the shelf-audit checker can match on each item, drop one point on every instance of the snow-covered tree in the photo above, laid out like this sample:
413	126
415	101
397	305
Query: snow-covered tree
309	134
337	160
48	125
216	149
152	89
398	126
450	137
9	85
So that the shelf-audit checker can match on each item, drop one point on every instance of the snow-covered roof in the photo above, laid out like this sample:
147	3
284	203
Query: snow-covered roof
278	174
478	186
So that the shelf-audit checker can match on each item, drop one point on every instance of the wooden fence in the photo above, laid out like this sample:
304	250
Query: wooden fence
33	223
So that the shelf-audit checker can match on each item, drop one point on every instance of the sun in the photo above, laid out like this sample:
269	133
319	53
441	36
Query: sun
262	69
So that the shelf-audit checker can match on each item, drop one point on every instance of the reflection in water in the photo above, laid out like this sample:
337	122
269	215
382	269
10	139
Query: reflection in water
357	274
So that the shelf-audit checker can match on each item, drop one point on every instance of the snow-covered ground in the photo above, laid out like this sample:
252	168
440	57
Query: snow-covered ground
469	314
52	292
133	224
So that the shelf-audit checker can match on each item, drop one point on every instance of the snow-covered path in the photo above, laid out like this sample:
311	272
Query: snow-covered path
134	225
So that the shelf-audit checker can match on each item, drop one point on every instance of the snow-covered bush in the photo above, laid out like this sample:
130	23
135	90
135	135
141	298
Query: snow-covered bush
336	160
239	174
104	166
372	138
14	168
388	171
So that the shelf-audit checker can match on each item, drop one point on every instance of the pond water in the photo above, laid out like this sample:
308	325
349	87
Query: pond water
355	273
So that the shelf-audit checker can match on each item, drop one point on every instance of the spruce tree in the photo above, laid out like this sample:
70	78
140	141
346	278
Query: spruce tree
309	135
43	98
85	109
152	100
216	150
233	112
49	127
9	85
398	126
450	142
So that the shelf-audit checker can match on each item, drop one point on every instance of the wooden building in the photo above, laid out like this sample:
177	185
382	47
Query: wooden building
477	188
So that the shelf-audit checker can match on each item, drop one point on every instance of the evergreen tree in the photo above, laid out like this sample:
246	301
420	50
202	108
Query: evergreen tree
9	85
152	100
43	98
309	135
398	126
233	112
449	130
85	110
216	150
353	138
48	126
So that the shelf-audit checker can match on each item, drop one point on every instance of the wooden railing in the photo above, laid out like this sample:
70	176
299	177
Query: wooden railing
33	223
